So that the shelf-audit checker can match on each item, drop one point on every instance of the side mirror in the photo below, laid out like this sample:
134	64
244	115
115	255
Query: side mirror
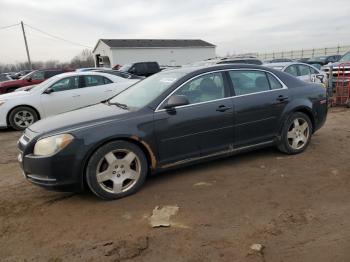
176	100
48	91
320	77
29	79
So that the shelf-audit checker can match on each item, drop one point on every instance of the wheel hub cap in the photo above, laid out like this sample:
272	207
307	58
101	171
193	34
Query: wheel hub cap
118	171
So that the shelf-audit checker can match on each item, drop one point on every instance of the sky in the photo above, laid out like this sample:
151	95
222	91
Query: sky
235	26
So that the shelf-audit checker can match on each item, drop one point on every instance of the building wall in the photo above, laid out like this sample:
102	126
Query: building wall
104	51
164	56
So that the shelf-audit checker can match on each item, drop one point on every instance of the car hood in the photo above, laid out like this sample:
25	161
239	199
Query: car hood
14	95
80	118
10	82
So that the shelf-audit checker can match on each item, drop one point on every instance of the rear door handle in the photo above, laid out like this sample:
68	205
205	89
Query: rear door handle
75	96
108	91
223	108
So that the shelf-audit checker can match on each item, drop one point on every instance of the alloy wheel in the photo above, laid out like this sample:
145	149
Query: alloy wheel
23	118
118	171
298	133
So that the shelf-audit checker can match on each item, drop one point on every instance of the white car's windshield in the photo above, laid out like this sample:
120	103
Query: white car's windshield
144	92
45	83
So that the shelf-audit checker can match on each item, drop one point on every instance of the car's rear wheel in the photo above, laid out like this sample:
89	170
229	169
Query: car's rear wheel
22	117
116	170
296	134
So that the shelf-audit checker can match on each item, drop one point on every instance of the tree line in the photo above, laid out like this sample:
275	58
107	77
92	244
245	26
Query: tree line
84	59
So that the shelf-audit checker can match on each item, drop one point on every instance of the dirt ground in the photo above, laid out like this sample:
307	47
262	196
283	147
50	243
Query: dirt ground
296	206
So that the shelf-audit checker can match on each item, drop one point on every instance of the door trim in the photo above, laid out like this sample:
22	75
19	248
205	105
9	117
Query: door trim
216	71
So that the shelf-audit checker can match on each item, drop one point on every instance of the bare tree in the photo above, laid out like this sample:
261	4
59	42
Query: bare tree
83	59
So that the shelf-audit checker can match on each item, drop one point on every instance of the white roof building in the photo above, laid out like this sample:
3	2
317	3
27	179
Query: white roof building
167	52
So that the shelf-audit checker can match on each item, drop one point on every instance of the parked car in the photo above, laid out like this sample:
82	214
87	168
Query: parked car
303	60
32	78
280	60
141	68
241	60
323	60
302	71
21	74
171	119
61	93
5	77
118	73
85	69
345	61
340	75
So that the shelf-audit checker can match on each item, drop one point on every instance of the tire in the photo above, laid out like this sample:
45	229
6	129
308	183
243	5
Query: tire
22	117
117	169
296	134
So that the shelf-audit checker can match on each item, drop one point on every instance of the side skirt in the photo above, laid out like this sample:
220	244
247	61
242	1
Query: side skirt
231	151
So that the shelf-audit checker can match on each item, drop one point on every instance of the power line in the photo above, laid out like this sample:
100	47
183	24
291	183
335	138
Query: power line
8	26
57	37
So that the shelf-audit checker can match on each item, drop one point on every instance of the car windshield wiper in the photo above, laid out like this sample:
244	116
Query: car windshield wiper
123	106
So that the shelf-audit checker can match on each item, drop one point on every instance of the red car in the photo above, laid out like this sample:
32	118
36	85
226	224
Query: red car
32	78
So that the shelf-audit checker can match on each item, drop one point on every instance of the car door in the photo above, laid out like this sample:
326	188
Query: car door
202	127
96	88
258	102
62	96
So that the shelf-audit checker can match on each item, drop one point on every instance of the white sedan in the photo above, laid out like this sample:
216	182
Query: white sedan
302	71
58	94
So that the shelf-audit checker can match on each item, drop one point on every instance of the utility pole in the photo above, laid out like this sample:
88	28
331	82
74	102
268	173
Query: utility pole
27	49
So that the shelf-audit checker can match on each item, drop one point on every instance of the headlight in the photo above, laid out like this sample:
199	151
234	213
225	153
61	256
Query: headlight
2	102
51	145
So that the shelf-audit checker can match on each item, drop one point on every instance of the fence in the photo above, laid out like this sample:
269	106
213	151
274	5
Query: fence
305	53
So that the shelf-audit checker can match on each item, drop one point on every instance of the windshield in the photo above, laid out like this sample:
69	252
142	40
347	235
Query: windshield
345	57
44	83
125	68
145	91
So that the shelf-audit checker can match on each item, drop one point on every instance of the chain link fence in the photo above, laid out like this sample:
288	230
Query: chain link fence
305	53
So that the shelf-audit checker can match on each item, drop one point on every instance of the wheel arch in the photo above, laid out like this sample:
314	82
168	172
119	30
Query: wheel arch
146	149
302	108
10	111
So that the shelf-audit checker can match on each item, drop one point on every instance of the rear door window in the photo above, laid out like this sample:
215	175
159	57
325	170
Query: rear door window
274	83
248	82
93	80
304	70
292	70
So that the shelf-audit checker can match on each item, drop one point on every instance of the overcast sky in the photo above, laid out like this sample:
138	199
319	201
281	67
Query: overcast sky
235	26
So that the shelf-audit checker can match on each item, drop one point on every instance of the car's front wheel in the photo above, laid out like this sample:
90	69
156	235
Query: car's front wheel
22	117
296	134
116	170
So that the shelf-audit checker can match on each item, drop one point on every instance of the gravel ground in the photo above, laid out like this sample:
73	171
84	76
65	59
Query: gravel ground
297	207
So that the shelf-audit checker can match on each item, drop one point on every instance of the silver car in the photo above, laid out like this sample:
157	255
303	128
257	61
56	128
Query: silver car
302	71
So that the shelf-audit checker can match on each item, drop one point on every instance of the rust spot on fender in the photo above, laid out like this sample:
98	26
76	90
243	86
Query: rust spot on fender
152	156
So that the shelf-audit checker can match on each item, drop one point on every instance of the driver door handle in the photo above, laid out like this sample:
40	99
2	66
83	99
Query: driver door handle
223	108
76	96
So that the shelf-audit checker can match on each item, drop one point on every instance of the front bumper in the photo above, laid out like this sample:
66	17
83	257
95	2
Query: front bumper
60	172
